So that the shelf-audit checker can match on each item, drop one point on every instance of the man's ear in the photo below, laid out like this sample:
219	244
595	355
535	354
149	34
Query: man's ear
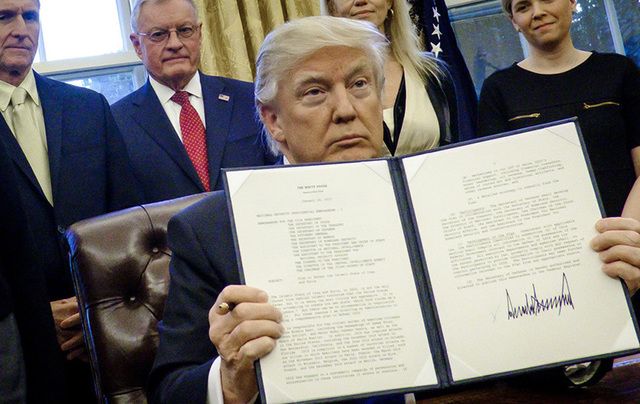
270	118
199	35
135	41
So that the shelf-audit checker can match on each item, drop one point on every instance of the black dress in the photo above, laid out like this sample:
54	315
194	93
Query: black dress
603	92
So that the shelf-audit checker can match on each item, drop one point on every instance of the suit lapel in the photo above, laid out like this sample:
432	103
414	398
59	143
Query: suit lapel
52	101
53	140
218	118
17	155
150	115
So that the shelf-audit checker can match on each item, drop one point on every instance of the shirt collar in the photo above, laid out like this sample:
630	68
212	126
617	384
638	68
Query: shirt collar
165	93
29	84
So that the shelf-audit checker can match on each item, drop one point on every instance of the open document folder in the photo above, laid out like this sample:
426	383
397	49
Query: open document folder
405	274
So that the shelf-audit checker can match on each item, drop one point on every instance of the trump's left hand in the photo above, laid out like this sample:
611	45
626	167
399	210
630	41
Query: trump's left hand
618	245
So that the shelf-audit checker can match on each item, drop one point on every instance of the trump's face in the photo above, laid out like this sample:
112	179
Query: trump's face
173	60
327	109
19	30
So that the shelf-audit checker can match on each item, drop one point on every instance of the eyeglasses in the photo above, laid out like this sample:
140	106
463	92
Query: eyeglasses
161	35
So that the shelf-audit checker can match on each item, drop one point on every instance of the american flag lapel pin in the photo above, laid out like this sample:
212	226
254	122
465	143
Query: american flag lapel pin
223	97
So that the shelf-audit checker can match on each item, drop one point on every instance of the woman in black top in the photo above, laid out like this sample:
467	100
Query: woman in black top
559	81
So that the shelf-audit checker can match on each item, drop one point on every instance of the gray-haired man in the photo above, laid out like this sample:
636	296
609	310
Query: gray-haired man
318	91
182	126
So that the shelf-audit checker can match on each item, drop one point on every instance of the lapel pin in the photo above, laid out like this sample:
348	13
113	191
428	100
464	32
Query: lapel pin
223	97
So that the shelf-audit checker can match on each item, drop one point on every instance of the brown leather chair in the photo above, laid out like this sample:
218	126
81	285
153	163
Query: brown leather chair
120	270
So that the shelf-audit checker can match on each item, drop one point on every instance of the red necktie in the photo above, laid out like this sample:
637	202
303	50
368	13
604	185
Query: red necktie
193	136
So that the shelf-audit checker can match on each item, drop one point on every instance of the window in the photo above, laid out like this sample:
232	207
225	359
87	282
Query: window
488	41
114	83
590	27
86	43
629	22
67	32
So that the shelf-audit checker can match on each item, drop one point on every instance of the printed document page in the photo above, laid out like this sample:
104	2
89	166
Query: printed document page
326	243
505	226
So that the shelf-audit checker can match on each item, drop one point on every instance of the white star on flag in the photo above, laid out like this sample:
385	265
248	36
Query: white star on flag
435	48
436	30
436	14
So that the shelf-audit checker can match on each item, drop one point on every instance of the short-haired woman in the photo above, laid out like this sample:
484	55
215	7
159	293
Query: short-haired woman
558	81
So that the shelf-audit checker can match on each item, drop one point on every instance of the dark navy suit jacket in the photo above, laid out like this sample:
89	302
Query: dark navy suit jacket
158	156
24	293
90	172
202	264
90	175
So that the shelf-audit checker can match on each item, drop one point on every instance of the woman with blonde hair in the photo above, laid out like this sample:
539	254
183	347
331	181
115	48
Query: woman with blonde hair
419	97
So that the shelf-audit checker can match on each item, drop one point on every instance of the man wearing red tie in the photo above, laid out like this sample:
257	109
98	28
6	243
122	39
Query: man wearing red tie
182	126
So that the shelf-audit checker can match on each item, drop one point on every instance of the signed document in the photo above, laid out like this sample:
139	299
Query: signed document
415	273
506	244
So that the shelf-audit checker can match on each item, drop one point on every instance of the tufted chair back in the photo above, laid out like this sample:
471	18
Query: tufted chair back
120	270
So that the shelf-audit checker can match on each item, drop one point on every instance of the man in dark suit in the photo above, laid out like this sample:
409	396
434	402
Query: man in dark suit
26	325
318	91
320	101
71	164
182	126
13	249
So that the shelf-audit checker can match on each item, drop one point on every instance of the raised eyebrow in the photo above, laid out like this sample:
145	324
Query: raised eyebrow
358	70
310	79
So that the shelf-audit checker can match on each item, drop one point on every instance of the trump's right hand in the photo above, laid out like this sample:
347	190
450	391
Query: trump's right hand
241	336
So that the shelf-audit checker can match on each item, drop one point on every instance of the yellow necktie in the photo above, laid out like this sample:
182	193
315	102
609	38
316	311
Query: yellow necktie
32	144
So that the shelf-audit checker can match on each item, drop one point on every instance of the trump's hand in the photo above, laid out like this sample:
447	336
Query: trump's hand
242	335
618	245
66	317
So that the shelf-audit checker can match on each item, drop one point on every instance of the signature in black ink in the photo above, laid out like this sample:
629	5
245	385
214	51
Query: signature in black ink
533	305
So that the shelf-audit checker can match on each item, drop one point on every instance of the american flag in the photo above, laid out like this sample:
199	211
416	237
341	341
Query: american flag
432	19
